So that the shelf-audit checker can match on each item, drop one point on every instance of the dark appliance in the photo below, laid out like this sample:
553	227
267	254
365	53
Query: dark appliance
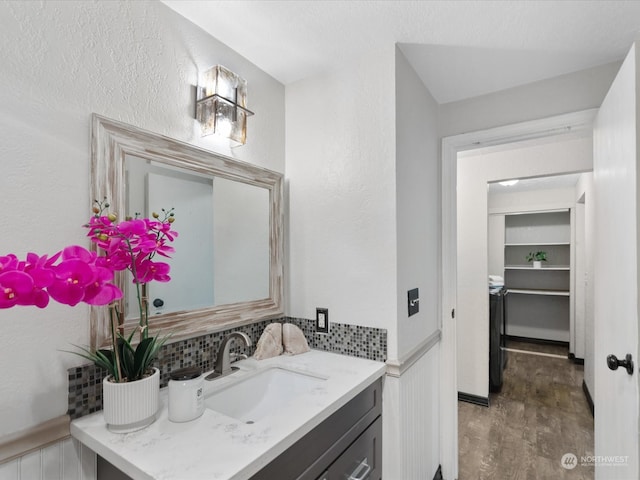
497	338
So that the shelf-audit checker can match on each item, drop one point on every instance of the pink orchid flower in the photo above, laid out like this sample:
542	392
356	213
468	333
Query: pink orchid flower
78	279
71	278
8	262
130	228
76	274
148	271
16	287
100	291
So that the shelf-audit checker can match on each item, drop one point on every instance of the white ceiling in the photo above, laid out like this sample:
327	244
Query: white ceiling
460	49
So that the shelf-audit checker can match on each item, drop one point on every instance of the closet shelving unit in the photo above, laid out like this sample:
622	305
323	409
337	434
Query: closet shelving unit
538	302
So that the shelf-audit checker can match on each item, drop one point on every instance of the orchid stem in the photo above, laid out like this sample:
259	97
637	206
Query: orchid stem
144	313
113	311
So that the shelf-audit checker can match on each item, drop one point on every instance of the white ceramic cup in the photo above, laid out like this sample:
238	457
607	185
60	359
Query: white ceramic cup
186	394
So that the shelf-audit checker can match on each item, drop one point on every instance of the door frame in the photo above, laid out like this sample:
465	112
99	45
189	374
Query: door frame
451	146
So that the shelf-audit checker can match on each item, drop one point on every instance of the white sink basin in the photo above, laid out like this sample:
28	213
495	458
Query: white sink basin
261	394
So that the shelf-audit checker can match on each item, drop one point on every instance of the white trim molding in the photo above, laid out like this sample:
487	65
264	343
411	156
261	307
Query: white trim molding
395	368
34	438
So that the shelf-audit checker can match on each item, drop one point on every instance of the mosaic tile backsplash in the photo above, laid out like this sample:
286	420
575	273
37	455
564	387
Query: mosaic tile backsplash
85	382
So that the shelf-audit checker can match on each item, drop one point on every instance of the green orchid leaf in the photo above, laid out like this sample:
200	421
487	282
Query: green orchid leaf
143	357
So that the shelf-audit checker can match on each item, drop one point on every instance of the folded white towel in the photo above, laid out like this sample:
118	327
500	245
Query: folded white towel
270	342
293	340
278	338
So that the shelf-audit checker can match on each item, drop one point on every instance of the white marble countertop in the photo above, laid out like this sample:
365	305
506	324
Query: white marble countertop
215	446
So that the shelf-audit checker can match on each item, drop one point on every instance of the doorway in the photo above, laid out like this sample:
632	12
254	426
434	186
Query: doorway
537	409
451	147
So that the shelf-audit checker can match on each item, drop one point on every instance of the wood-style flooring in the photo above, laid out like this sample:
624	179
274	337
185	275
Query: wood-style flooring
540	414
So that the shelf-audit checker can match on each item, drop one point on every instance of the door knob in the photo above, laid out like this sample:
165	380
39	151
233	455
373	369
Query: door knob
613	363
158	302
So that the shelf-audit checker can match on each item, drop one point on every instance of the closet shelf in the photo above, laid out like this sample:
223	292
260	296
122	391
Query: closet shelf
524	267
536	244
555	293
538	301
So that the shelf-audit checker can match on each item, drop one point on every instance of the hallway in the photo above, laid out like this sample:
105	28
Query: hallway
540	414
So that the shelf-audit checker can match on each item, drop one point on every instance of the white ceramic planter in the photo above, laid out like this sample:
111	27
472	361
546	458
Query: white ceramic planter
131	406
537	264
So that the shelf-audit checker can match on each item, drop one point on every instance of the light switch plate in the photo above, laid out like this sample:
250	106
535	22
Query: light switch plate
413	299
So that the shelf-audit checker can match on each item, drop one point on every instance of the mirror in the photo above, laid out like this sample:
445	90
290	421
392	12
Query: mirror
223	257
227	268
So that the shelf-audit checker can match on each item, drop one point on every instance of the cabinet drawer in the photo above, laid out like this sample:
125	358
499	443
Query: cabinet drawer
362	460
318	449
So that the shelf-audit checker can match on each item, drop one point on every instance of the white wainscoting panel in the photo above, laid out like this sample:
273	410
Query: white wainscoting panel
411	422
64	460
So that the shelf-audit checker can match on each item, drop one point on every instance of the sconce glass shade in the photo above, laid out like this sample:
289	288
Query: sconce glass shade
221	107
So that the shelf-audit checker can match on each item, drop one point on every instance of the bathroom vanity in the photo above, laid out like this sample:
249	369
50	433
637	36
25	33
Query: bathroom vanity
311	416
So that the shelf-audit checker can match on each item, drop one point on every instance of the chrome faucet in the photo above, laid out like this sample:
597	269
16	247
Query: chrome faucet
223	366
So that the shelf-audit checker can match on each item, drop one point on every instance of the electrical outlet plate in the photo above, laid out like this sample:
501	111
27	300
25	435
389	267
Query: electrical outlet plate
322	320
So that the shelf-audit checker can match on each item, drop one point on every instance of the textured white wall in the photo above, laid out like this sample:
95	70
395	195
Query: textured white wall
340	175
564	94
411	402
132	61
417	205
572	155
364	205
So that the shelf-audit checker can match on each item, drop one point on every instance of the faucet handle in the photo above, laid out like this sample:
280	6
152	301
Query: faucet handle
234	356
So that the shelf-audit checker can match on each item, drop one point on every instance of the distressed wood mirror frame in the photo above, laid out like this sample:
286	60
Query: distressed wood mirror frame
111	141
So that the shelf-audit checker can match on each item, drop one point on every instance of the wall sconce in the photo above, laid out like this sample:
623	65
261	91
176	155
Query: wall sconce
221	106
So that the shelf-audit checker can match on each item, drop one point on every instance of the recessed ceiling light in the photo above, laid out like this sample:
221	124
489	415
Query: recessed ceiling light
509	183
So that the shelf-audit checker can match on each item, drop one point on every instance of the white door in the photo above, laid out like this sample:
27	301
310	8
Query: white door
616	276
192	198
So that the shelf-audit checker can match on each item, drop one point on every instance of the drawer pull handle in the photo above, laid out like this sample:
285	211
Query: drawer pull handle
361	472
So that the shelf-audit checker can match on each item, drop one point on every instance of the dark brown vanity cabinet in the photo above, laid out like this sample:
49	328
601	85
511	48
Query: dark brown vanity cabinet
346	446
361	461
